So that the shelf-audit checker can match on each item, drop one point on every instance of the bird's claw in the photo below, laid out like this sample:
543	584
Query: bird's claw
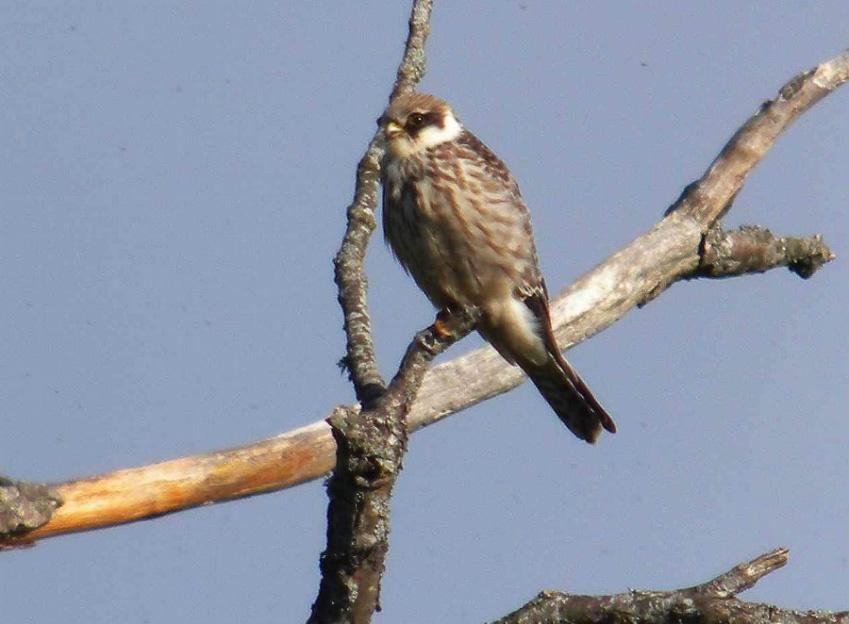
440	329
440	325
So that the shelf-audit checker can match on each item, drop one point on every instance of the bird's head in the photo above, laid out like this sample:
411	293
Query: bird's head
416	121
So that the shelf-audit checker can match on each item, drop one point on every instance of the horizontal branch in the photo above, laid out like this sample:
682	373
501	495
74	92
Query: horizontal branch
669	252
754	249
713	602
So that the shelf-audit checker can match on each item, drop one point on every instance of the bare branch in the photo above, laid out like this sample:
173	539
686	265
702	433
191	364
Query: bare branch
708	198
754	249
371	443
348	263
370	447
713	602
672	250
352	284
25	506
149	491
412	67
744	576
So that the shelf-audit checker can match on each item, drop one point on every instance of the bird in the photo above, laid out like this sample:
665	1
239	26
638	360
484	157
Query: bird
455	220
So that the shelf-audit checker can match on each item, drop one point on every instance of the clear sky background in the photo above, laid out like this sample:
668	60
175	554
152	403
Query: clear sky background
173	179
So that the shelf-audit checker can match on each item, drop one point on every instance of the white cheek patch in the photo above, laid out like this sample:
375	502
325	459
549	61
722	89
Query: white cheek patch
434	135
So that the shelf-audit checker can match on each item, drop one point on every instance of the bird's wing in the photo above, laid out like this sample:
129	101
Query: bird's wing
506	215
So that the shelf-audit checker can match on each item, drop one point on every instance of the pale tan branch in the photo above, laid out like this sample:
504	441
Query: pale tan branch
670	251
149	491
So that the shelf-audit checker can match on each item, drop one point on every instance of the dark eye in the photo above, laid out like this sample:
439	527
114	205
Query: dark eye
415	121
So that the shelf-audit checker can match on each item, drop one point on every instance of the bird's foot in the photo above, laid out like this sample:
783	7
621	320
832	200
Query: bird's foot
440	326
454	323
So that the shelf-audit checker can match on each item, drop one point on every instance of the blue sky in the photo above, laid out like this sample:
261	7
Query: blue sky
174	178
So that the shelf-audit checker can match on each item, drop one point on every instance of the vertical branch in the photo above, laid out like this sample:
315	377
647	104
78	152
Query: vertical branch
352	284
412	67
371	442
348	263
370	447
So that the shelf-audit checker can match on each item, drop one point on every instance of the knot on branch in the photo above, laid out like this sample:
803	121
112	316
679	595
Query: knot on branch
25	506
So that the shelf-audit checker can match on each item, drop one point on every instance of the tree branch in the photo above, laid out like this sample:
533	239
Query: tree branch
754	249
674	249
370	447
713	602
25	506
371	442
149	491
348	263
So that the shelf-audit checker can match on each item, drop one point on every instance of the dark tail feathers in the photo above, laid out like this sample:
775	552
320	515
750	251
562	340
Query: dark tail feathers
570	398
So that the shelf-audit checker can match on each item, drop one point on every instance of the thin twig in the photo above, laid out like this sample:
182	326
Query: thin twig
351	282
413	65
744	576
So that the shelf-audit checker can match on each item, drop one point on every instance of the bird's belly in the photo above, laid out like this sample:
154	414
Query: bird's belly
452	268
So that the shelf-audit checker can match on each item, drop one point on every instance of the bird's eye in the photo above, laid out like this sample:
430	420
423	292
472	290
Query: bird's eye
379	121
415	121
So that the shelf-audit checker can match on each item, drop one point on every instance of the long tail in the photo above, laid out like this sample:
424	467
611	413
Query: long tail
570	398
560	385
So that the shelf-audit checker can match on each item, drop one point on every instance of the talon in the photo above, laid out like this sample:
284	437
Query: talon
440	325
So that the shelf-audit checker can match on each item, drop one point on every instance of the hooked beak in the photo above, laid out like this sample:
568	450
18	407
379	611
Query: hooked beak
392	129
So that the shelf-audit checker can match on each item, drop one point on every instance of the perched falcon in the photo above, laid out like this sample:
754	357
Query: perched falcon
455	219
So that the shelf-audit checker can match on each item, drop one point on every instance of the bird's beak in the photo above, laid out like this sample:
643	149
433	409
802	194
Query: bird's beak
392	129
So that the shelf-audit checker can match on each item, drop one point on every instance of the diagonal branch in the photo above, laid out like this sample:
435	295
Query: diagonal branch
744	576
671	251
714	602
